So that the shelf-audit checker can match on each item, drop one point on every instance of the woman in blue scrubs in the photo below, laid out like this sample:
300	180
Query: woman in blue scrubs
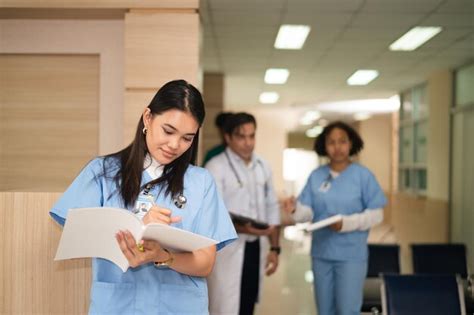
339	252
155	172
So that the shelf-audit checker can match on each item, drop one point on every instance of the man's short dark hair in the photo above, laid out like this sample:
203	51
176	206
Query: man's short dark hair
221	119
237	120
356	140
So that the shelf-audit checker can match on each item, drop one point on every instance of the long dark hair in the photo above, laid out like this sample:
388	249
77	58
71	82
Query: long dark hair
179	95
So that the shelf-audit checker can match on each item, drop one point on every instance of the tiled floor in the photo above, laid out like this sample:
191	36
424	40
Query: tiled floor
289	291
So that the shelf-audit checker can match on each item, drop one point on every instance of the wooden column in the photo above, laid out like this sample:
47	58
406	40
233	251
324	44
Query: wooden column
213	91
160	46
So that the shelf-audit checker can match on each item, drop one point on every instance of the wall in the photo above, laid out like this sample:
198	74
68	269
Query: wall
32	282
377	153
440	96
104	38
272	128
49	118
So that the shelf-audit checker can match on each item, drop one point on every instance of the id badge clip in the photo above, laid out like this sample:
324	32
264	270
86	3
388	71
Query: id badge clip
325	186
143	204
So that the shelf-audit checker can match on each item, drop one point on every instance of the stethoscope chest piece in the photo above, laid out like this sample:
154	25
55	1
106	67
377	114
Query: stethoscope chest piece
180	201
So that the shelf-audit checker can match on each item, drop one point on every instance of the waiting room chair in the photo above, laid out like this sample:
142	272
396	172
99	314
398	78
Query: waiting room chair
422	294
444	259
383	259
439	259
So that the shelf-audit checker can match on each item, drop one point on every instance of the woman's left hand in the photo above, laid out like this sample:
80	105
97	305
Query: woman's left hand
139	253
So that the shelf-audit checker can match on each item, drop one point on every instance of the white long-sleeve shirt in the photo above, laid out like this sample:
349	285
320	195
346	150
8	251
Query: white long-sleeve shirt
357	221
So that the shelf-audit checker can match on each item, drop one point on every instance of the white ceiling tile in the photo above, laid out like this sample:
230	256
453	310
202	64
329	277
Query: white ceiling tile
400	6
457	6
346	35
257	5
450	20
387	20
324	5
250	17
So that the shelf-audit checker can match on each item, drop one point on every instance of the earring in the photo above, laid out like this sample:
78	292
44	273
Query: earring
144	130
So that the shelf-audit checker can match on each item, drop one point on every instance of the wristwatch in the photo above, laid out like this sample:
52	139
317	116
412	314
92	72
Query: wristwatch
167	262
276	249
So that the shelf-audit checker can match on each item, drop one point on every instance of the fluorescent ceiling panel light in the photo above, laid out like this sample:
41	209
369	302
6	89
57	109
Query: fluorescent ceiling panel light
276	76
362	77
415	37
314	132
269	97
291	36
372	106
310	117
362	116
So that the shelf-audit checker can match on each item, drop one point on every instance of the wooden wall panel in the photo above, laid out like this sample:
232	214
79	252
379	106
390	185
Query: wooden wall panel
134	105
213	93
160	47
48	119
418	220
31	282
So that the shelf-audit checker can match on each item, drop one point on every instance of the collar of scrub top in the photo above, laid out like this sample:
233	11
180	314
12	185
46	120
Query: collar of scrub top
152	167
155	170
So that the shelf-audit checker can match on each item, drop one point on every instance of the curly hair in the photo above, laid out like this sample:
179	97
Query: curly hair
354	138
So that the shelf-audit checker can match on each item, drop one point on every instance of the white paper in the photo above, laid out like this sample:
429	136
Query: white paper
90	232
323	223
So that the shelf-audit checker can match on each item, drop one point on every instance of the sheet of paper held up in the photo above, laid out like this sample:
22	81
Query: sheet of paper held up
90	232
323	223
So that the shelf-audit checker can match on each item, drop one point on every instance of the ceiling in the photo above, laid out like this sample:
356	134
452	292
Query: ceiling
346	35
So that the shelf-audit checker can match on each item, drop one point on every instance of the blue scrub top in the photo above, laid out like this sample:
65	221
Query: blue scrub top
353	191
146	289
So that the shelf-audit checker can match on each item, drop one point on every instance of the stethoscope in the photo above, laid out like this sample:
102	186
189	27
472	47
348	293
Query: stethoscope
179	201
236	175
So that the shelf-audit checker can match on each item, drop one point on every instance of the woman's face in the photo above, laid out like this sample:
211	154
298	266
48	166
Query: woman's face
338	145
169	134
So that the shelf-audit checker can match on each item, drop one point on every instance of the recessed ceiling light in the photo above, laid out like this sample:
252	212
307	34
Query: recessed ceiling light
387	105
309	117
269	97
415	37
276	76
362	77
291	36
314	132
362	116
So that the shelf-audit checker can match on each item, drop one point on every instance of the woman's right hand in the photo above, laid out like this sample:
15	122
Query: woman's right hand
160	215
289	205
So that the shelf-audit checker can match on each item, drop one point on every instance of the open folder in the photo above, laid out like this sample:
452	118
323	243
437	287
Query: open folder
323	223
90	232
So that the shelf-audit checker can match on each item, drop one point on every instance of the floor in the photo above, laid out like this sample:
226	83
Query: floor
290	291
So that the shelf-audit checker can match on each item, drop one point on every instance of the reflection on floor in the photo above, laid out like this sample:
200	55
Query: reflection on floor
290	290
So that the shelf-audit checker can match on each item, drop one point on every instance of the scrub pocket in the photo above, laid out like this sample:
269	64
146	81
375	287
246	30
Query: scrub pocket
183	299
112	298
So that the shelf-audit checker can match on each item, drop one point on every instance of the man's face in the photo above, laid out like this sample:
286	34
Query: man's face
242	141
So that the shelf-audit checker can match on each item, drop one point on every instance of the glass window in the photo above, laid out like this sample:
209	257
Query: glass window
420	141
464	83
413	140
421	102
406	144
420	179
407	106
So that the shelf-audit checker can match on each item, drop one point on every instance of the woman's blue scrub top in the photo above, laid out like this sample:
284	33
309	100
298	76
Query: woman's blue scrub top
353	191
146	289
